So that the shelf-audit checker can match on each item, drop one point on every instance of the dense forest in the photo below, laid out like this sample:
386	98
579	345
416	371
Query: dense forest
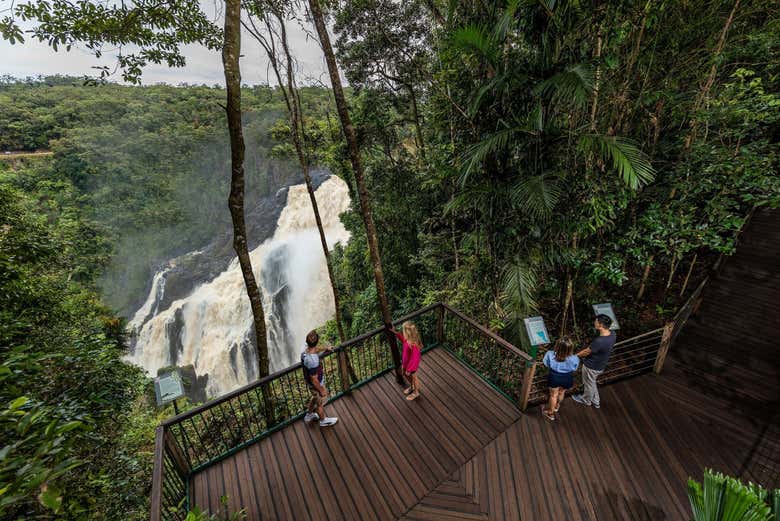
522	158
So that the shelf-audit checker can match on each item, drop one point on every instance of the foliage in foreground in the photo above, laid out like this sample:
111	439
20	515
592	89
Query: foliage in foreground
722	498
75	421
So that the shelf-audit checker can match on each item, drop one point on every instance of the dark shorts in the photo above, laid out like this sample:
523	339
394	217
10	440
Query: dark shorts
565	380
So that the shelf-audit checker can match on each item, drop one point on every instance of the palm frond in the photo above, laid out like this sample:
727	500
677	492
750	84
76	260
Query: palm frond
572	86
505	21
474	155
497	83
475	38
519	285
631	163
536	196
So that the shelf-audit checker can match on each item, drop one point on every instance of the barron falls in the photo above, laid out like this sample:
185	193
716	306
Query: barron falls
210	327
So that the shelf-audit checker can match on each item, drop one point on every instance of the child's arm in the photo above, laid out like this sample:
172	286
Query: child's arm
324	349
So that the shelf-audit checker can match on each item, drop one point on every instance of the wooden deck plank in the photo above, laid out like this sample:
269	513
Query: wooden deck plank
385	457
261	484
369	473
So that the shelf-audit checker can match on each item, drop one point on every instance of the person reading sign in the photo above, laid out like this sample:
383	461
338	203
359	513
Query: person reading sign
594	361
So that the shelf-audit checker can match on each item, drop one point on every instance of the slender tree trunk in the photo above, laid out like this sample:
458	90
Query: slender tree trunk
645	276
672	270
298	137
596	83
707	85
569	290
357	167
230	55
688	276
417	127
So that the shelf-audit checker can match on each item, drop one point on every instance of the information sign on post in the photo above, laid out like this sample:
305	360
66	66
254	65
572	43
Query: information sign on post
537	331
168	387
606	309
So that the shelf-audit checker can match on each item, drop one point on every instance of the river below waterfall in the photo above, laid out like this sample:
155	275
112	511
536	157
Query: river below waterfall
211	327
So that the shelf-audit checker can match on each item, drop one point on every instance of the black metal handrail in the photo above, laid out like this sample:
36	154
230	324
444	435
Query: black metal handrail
495	360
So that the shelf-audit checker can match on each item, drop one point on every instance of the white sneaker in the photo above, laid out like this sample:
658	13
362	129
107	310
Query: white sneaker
580	398
327	422
311	416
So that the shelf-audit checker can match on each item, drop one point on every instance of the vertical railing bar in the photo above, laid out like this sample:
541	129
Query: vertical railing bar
241	438
247	418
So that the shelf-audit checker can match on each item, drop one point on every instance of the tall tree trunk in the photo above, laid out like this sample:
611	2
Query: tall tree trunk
231	51
645	276
569	290
297	133
357	167
298	137
688	276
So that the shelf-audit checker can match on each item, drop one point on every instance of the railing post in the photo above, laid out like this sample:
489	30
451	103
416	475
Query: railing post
157	474
666	341
179	458
528	382
440	325
344	370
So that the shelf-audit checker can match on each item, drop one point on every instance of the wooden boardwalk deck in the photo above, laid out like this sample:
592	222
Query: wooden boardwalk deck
381	459
462	451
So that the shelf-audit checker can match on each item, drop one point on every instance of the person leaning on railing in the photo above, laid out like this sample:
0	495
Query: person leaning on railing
595	358
314	375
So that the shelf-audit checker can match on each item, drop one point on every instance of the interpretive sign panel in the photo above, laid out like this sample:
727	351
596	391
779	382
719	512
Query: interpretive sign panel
537	331
606	309
168	387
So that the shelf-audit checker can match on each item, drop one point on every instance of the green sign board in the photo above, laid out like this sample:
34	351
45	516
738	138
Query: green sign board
606	309
168	387
537	331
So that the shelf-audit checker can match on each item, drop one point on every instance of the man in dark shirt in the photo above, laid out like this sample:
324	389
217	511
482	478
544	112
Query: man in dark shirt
594	361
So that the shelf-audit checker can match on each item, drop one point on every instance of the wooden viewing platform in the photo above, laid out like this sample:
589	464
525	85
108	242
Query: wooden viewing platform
463	451
473	446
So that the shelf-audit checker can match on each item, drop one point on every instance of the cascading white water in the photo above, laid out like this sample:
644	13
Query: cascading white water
212	327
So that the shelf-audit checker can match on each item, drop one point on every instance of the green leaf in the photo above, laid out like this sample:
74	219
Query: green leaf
51	498
18	403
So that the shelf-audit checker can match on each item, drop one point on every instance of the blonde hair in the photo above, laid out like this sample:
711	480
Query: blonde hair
411	334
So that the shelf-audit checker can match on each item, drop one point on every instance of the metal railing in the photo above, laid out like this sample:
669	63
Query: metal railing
204	435
630	357
498	362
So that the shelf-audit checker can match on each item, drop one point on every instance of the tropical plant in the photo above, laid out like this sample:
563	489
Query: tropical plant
723	498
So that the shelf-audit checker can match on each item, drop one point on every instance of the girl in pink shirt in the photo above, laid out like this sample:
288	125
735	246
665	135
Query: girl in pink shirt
410	359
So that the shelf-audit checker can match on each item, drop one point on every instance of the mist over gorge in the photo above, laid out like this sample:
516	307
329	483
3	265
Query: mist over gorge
210	325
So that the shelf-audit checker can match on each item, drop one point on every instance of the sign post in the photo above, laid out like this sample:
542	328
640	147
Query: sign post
168	388
606	309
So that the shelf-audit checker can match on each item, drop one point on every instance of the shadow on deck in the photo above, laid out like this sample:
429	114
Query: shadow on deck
463	451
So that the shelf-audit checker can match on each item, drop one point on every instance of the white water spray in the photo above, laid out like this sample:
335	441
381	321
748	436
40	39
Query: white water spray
212	327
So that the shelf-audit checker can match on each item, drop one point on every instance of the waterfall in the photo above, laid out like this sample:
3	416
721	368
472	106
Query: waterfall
212	328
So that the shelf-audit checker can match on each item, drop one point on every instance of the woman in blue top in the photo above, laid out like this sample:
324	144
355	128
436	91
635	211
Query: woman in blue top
562	363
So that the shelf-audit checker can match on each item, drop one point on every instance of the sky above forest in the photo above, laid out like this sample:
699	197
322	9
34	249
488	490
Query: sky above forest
33	58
